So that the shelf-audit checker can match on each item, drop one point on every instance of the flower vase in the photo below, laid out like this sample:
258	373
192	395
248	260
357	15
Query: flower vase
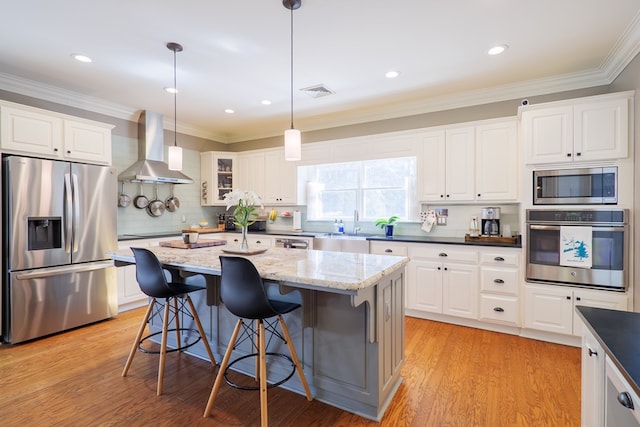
388	230
244	245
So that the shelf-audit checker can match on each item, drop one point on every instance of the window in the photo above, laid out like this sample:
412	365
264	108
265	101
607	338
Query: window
376	188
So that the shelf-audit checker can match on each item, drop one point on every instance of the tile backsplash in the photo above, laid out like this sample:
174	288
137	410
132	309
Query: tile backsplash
132	220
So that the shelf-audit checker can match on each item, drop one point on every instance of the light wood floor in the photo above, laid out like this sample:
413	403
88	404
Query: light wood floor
453	376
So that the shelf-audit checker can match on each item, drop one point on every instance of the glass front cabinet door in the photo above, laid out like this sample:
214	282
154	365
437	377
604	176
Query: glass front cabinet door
217	171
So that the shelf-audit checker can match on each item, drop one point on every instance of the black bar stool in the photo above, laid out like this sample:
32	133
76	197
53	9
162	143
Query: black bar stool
152	281
242	292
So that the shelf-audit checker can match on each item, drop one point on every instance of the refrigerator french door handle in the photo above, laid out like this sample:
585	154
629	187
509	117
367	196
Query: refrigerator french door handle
68	212
76	212
56	271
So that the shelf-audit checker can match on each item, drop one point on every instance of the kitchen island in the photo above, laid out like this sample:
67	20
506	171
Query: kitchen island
349	333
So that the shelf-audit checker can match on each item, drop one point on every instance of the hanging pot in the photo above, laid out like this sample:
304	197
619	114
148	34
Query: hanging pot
123	199
172	203
156	206
141	200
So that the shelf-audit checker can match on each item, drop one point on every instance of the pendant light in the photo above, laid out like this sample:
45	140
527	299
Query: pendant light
175	152
292	139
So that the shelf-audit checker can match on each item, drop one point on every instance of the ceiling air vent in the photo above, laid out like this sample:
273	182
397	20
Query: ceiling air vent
317	91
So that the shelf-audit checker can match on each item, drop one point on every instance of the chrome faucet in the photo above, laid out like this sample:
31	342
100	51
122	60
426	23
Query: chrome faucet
356	217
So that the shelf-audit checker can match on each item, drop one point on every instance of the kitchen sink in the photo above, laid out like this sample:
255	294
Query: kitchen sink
346	236
339	242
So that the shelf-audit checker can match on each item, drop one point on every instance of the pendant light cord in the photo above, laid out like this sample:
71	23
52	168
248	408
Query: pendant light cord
175	101
291	79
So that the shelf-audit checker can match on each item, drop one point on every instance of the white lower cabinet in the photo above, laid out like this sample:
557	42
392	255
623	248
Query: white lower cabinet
552	308
254	241
129	294
499	284
443	279
593	380
387	248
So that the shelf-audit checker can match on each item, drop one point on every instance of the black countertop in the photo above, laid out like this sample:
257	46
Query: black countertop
376	238
618	332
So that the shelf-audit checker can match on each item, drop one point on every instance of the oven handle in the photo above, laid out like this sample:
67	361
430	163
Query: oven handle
557	227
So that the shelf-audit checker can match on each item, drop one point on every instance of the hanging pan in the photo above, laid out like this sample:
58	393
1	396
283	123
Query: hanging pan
123	199
156	206
172	203
141	200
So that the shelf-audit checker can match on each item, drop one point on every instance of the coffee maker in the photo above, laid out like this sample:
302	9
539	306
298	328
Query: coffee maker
490	222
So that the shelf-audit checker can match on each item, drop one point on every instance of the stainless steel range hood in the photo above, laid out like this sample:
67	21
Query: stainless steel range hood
150	166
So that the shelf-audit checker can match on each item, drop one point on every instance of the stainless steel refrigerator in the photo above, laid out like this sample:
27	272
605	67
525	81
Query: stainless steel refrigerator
59	222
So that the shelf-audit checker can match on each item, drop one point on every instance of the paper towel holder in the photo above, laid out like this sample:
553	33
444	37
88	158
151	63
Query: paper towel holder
297	221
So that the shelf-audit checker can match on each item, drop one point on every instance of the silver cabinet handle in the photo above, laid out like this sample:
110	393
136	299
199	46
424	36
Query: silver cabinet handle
625	400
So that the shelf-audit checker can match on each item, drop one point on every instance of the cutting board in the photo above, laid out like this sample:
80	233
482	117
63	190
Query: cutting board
203	230
179	244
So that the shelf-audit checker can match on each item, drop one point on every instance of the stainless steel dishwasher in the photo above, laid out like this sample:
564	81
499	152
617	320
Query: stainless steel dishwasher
292	243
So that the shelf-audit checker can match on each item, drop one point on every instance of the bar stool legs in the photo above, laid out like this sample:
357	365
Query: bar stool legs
261	372
165	333
294	356
221	369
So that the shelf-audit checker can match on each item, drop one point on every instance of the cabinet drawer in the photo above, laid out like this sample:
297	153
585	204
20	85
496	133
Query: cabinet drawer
378	248
443	254
500	258
499	308
499	280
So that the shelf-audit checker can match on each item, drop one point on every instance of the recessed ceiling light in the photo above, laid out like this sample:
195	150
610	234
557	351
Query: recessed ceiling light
265	102
229	111
497	50
171	89
80	57
392	74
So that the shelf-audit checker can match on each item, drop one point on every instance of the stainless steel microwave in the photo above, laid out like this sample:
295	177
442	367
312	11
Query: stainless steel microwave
580	186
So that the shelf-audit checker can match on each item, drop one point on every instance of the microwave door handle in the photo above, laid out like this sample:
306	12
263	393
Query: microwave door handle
76	212
68	212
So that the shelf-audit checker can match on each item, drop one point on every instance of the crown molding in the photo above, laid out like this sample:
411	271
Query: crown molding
625	50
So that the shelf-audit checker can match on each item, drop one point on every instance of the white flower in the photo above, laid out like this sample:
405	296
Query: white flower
245	202
242	198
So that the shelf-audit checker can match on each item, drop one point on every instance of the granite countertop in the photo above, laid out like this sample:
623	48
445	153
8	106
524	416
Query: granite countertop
619	334
312	234
341	272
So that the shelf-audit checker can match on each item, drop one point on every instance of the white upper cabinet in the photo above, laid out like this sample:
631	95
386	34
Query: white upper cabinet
472	163
251	172
448	165
460	161
586	129
269	175
280	178
32	131
217	176
87	142
496	161
433	167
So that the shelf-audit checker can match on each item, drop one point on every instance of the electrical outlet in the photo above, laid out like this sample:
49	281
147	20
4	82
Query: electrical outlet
441	216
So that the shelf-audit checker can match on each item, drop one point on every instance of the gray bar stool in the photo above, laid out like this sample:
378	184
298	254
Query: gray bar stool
242	292
172	298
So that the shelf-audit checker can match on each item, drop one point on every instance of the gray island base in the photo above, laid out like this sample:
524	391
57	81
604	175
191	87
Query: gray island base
349	333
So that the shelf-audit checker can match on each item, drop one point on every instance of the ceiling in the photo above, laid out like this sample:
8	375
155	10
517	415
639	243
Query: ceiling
236	54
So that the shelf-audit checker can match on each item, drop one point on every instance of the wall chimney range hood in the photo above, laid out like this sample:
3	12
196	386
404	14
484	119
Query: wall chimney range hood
150	166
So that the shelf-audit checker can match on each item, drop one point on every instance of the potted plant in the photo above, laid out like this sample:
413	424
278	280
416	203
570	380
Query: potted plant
387	224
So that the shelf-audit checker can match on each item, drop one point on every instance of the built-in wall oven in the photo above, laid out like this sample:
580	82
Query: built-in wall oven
586	248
